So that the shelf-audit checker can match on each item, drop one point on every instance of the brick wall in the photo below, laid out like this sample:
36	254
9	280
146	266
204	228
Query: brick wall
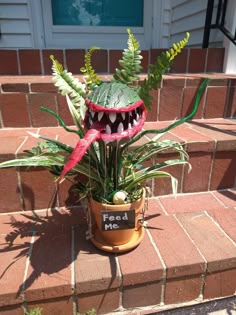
22	96
37	62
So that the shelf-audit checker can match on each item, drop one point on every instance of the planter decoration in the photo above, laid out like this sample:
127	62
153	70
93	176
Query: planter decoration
117	228
108	165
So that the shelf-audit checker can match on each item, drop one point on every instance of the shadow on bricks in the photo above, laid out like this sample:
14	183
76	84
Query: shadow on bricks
50	246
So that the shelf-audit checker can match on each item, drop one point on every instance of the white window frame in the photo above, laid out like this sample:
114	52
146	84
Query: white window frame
106	37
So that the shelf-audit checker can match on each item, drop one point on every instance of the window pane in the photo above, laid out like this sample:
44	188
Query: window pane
98	12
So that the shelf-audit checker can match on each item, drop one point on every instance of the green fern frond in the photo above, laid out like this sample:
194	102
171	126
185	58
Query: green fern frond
157	70
67	84
91	78
130	62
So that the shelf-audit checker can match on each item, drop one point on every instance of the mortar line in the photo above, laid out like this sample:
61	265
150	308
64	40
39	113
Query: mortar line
212	165
120	308
24	304
221	202
73	288
163	286
203	275
220	228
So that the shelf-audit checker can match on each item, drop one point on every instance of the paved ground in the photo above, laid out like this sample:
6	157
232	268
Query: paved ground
218	307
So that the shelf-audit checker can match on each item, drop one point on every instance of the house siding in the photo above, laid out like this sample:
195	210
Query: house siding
189	16
15	23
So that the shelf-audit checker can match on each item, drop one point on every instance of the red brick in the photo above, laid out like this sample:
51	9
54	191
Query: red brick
14	110
154	54
224	170
136	268
114	57
8	62
197	60
188	102
9	146
56	306
176	81
182	290
218	80
228	197
75	59
231	106
66	197
38	188
215	59
9	190
152	114
43	87
163	185
217	249
220	284
40	118
103	302
142	295
15	310
169	238
215	102
64	111
94	271
199	176
217	129
196	141
16	87
180	63
12	268
170	103
47	62
189	202
226	218
100	61
145	60
30	61
49	273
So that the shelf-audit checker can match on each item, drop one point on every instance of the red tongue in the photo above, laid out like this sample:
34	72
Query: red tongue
80	149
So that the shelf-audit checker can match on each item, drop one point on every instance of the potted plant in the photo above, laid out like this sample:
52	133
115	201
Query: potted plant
108	159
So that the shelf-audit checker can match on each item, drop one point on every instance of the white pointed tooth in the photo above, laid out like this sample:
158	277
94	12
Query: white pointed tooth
137	117
108	129
90	121
135	122
120	127
129	126
100	115
112	117
92	113
123	115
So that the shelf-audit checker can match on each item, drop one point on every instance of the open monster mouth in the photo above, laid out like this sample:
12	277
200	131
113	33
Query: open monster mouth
115	124
115	111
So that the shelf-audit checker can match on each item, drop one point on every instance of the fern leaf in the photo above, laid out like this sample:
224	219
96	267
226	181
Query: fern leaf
69	85
91	78
160	67
130	62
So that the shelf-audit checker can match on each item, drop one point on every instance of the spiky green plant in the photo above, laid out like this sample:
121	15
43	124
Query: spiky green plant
110	167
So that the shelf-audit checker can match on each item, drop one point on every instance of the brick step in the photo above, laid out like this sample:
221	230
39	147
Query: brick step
188	255
211	147
22	96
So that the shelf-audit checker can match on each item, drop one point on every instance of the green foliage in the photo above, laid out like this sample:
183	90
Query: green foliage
90	76
67	84
90	312
109	167
35	311
130	62
160	67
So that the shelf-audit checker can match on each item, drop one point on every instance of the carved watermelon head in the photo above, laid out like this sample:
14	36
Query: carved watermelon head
116	110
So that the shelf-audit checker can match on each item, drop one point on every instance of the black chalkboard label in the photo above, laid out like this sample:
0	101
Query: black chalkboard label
118	220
